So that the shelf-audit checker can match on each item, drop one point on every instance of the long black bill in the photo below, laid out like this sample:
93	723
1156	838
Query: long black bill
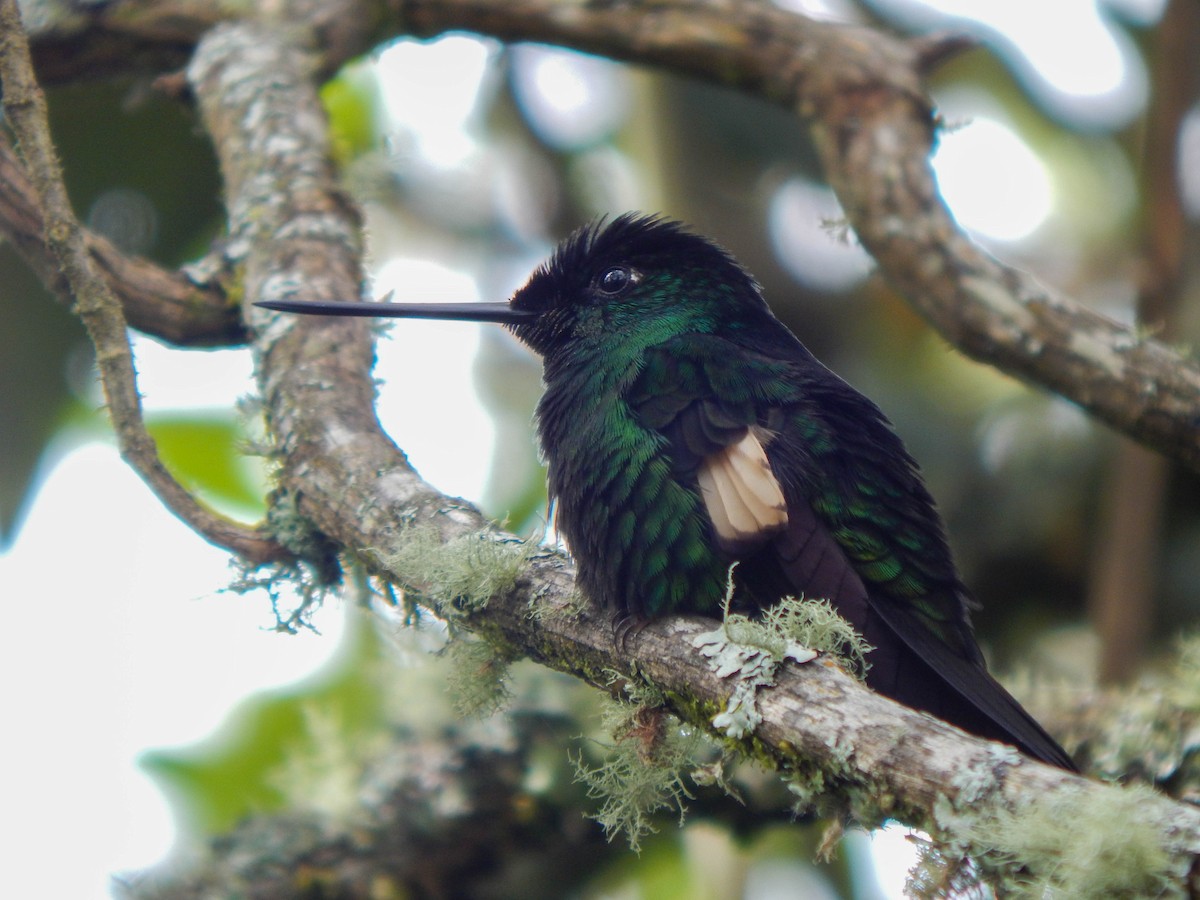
471	312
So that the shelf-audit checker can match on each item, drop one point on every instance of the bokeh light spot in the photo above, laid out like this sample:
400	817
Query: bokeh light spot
570	99
992	181
431	91
1079	64
810	241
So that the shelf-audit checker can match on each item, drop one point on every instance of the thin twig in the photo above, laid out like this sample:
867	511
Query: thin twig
166	304
96	305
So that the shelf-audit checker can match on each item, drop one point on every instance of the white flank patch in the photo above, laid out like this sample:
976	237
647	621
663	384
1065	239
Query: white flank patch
740	492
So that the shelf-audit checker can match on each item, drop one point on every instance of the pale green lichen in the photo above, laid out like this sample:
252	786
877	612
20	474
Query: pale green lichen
1183	687
643	769
1073	844
808	787
840	748
643	693
299	586
573	605
817	625
631	791
973	783
741	715
458	577
462	574
751	666
322	772
1148	730
751	650
478	679
298	534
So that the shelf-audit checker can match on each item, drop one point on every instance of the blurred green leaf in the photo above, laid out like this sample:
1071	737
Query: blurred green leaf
352	102
205	451
245	768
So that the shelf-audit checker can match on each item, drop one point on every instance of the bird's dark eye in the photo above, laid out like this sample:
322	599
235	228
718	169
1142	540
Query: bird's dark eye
615	280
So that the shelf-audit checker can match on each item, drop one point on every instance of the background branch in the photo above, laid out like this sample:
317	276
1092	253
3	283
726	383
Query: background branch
96	306
449	815
165	304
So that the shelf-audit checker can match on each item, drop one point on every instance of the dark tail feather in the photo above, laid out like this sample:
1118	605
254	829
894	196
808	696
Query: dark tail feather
910	663
914	668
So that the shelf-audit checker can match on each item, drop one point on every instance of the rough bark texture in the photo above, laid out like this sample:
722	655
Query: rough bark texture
443	816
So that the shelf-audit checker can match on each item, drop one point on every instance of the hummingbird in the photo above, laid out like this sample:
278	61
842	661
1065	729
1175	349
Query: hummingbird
685	428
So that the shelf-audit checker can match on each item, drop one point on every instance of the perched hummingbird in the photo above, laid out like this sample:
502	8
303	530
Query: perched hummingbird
686	428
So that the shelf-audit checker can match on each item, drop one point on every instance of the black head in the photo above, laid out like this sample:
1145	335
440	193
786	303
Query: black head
637	275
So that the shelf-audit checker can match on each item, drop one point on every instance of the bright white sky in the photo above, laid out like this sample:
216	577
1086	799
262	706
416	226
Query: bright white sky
115	637
115	640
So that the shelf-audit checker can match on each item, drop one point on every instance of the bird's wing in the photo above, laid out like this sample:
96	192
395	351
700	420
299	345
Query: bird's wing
863	496
978	703
804	479
697	392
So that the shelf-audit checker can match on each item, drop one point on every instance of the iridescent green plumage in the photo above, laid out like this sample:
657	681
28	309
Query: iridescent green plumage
685	428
